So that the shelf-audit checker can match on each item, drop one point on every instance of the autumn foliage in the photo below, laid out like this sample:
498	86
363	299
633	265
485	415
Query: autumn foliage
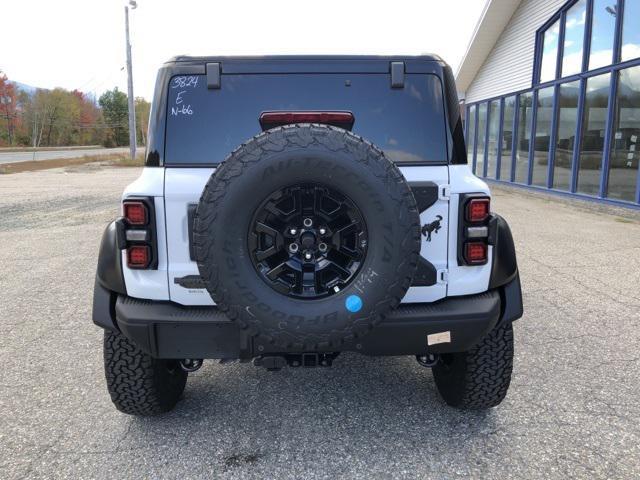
7	109
60	117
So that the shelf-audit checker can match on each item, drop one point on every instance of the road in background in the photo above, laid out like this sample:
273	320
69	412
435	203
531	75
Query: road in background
572	410
13	157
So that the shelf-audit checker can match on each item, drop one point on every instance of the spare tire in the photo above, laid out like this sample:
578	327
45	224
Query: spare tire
307	236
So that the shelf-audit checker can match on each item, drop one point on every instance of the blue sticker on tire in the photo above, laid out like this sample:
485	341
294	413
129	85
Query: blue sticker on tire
353	303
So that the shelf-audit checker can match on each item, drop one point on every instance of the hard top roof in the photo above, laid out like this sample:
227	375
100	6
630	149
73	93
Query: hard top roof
306	64
303	58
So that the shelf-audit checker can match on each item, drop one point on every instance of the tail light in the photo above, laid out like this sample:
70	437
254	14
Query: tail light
135	212
138	256
277	119
474	229
475	253
138	235
478	209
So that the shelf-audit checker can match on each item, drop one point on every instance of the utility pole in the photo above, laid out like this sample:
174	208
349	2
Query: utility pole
132	105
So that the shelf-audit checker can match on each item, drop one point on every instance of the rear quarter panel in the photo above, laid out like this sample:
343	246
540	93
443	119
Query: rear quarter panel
465	280
150	284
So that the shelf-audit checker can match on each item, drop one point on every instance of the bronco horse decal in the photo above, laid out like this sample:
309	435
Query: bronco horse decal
432	227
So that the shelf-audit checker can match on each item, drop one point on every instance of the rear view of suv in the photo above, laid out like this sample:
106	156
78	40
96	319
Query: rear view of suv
293	208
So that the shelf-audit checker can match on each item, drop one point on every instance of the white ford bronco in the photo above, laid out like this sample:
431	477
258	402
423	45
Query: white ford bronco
293	208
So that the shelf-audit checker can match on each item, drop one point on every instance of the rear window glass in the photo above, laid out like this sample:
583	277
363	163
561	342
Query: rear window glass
205	125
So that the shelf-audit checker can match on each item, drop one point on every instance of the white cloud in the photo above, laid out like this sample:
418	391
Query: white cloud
572	63
572	20
630	51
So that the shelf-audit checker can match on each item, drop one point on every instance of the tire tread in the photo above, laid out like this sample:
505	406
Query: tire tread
479	378
138	383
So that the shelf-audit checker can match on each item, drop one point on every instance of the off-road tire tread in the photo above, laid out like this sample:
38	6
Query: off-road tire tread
138	383
481	376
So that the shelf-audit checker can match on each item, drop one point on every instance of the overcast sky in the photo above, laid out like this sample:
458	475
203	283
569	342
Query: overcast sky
80	43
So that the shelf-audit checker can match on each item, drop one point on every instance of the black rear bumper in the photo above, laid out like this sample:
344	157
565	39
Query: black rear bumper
168	330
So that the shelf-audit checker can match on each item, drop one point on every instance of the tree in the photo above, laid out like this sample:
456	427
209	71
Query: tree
7	109
143	108
90	128
115	111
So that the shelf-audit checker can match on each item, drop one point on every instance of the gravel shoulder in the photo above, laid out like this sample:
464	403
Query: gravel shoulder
572	409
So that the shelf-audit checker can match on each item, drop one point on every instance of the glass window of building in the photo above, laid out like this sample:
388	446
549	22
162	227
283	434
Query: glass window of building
471	135
549	52
568	97
593	134
625	149
507	138
525	113
602	33
544	119
574	39
631	30
492	143
482	131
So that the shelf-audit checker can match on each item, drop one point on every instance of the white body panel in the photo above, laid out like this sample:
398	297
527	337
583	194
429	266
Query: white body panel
182	187
435	251
150	284
175	188
464	280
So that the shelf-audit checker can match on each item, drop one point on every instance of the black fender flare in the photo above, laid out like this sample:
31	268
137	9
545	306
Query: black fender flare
504	265
504	269
109	280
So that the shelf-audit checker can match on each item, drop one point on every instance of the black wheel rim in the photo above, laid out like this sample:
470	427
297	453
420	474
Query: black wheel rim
308	241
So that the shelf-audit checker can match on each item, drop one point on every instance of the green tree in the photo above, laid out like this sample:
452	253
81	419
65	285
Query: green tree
143	108
115	111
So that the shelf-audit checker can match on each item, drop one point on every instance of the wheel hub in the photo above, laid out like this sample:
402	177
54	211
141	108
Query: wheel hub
308	241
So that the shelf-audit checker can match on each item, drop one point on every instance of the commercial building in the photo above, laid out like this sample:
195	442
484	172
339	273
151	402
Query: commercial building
551	95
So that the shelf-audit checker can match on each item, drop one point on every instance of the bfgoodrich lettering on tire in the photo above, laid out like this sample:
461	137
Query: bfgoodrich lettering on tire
307	235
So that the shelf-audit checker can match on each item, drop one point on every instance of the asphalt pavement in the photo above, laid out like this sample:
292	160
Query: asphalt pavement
572	410
13	157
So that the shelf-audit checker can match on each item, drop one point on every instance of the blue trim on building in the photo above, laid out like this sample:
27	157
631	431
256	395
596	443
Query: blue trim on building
576	142
606	151
553	136
475	137
532	137
560	53
585	74
586	47
514	140
486	140
500	140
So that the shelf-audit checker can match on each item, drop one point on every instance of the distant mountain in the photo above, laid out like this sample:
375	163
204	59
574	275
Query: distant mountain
24	87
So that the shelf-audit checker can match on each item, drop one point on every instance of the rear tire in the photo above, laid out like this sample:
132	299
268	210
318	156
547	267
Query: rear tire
138	383
478	378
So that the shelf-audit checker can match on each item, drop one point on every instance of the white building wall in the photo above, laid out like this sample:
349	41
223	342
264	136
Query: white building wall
509	66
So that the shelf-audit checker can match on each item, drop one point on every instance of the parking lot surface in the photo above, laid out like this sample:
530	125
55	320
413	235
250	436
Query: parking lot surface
572	410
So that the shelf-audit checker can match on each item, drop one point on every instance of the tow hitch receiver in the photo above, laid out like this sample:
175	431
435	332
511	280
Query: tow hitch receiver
276	362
